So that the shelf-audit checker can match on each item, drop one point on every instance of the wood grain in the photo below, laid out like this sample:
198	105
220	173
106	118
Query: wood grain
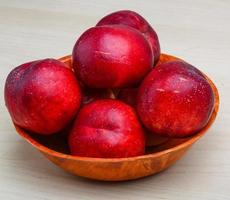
197	31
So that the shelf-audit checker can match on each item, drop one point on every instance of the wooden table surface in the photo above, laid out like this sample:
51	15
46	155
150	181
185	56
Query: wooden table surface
198	31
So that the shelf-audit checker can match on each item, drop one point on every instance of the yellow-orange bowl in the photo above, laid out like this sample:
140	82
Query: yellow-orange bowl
116	169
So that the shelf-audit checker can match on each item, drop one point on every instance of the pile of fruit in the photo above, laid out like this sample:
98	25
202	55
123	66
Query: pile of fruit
116	97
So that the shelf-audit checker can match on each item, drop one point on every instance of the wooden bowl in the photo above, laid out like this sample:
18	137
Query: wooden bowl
156	159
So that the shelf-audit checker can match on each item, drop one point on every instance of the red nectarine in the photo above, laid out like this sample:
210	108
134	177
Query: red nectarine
107	129
175	100
111	56
134	20
42	96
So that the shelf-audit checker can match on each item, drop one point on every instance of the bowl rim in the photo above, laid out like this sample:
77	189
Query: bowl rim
190	141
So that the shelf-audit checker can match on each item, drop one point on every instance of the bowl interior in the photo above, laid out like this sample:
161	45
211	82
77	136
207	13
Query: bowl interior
58	142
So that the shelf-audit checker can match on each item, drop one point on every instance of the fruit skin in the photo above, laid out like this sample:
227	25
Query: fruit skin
42	96
111	57
107	129
175	100
134	20
129	96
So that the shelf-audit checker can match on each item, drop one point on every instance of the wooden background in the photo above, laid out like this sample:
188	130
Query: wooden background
196	30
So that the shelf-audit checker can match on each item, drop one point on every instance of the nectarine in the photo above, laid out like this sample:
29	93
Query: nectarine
42	96
111	57
175	100
134	20
107	129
